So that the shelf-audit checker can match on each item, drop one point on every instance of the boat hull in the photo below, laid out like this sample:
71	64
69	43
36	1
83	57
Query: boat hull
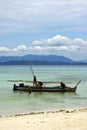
22	87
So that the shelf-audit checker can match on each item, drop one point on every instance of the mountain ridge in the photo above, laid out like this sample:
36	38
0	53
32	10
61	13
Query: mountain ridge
38	60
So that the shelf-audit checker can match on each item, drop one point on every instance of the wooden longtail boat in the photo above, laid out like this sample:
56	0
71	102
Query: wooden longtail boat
38	86
27	88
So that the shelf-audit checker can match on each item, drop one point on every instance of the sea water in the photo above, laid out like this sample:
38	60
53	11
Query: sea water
22	102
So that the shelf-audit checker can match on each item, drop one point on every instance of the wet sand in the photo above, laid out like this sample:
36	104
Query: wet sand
75	119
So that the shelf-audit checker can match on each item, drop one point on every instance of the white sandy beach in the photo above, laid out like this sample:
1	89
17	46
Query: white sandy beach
52	120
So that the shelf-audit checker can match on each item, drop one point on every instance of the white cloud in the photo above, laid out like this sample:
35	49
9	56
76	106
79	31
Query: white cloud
57	40
59	45
22	48
33	14
19	50
43	18
4	49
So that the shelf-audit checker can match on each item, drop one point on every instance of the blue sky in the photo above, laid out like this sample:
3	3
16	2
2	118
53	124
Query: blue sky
44	27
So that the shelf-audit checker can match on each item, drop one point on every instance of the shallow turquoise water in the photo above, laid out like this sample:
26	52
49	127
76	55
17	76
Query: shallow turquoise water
22	102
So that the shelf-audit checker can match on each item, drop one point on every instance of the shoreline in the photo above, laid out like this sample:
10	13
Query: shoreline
64	119
71	110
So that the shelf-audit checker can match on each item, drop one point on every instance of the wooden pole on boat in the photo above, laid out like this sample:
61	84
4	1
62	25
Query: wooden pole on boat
31	69
34	77
77	83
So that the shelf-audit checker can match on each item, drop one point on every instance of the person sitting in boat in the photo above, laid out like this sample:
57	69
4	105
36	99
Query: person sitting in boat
39	84
63	85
